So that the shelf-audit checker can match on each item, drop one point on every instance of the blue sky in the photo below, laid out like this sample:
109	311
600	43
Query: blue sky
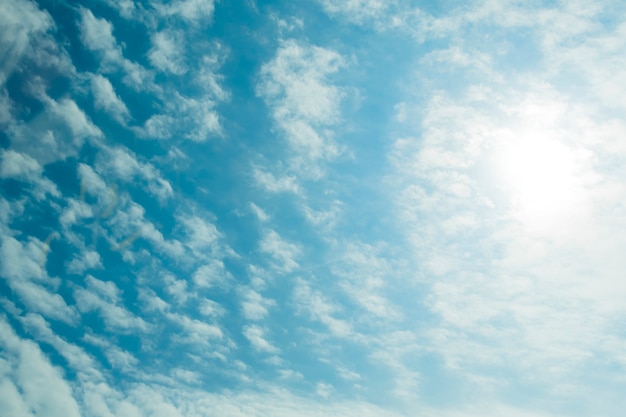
313	208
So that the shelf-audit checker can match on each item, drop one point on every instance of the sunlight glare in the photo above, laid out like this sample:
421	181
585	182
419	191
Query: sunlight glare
540	175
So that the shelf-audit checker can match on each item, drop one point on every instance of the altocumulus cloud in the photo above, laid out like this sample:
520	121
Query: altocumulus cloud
358	208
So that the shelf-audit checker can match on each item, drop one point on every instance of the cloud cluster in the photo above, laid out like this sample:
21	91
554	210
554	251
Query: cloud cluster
304	105
444	237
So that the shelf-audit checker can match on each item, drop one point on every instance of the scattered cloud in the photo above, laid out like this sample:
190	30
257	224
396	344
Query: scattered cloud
256	337
122	165
104	297
283	252
166	52
270	183
259	212
97	36
313	304
191	11
415	207
88	260
26	276
21	21
56	133
35	384
213	274
22	167
106	99
254	306
303	104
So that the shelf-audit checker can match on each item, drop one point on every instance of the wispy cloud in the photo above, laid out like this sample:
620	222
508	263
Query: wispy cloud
191	11
122	165
97	36
166	52
271	183
22	167
104	297
314	305
303	103
21	22
496	252
106	99
214	209
58	132
256	337
26	276
254	306
283	252
31	382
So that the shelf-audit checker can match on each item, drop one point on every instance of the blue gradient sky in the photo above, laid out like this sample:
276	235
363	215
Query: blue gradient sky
312	208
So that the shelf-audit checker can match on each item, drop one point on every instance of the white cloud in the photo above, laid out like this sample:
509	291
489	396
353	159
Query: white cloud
213	274
6	108
455	57
193	118
275	185
521	268
177	288
126	8
122	164
256	337
25	274
206	76
283	252
303	104
11	401
324	390
106	99
187	376
18	165
25	168
166	52
151	302
254	305
316	306
323	219
348	374
104	297
198	333
41	300
192	11
79	124
127	224
54	134
211	308
90	181
360	11
396	351
366	276
80	362
27	373
20	22
120	359
259	212
97	35
204	240
294	83
390	15
74	212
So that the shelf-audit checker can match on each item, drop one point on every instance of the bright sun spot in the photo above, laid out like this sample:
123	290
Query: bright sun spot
540	176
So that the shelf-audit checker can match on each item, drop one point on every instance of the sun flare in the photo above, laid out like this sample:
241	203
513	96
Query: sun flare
540	176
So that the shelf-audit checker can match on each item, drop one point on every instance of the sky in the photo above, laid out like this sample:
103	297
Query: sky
312	208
